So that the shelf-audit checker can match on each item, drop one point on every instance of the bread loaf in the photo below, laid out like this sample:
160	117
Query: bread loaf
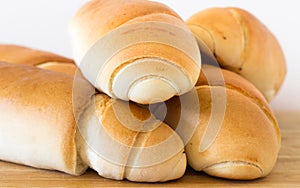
135	50
236	135
241	43
37	117
45	60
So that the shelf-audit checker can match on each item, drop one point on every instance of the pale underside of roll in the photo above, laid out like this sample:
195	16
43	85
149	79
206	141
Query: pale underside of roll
142	52
37	117
236	136
243	44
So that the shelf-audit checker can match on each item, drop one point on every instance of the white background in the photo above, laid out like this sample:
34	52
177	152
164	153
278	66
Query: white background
43	24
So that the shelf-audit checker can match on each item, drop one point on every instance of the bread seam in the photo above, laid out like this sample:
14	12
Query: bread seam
238	19
181	153
108	103
120	67
32	52
126	22
52	61
115	72
210	36
254	100
232	163
79	160
162	13
258	102
140	150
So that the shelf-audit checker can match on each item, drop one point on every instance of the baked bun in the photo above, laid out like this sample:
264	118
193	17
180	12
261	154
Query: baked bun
45	60
236	135
121	140
37	117
135	50
242	44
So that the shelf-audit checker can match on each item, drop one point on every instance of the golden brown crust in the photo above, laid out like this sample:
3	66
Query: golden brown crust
67	68
87	29
264	59
23	55
112	125
241	43
246	135
41	59
43	102
103	9
128	143
159	17
247	145
163	47
215	76
226	43
235	82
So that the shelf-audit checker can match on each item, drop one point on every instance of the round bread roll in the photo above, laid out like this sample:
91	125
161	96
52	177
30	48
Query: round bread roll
135	50
237	136
37	117
121	140
45	60
242	44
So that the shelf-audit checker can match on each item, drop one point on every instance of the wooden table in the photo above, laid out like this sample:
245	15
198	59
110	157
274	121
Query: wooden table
285	174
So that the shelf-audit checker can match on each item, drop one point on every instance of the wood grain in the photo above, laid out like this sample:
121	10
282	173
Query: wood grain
285	174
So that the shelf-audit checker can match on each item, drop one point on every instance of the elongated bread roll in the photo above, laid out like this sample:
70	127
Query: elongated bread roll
237	136
28	56
135	50
37	117
122	140
241	43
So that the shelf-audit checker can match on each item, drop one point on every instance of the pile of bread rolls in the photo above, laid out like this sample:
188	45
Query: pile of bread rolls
144	102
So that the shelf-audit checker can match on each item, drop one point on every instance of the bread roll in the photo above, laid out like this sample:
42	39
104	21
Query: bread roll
135	50
122	140
241	43
39	112
45	60
236	135
37	117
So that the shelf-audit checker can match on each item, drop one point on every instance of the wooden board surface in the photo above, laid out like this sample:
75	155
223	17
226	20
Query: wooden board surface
285	174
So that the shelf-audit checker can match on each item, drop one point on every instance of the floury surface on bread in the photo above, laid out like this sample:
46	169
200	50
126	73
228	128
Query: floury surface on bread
237	135
242	44
143	52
